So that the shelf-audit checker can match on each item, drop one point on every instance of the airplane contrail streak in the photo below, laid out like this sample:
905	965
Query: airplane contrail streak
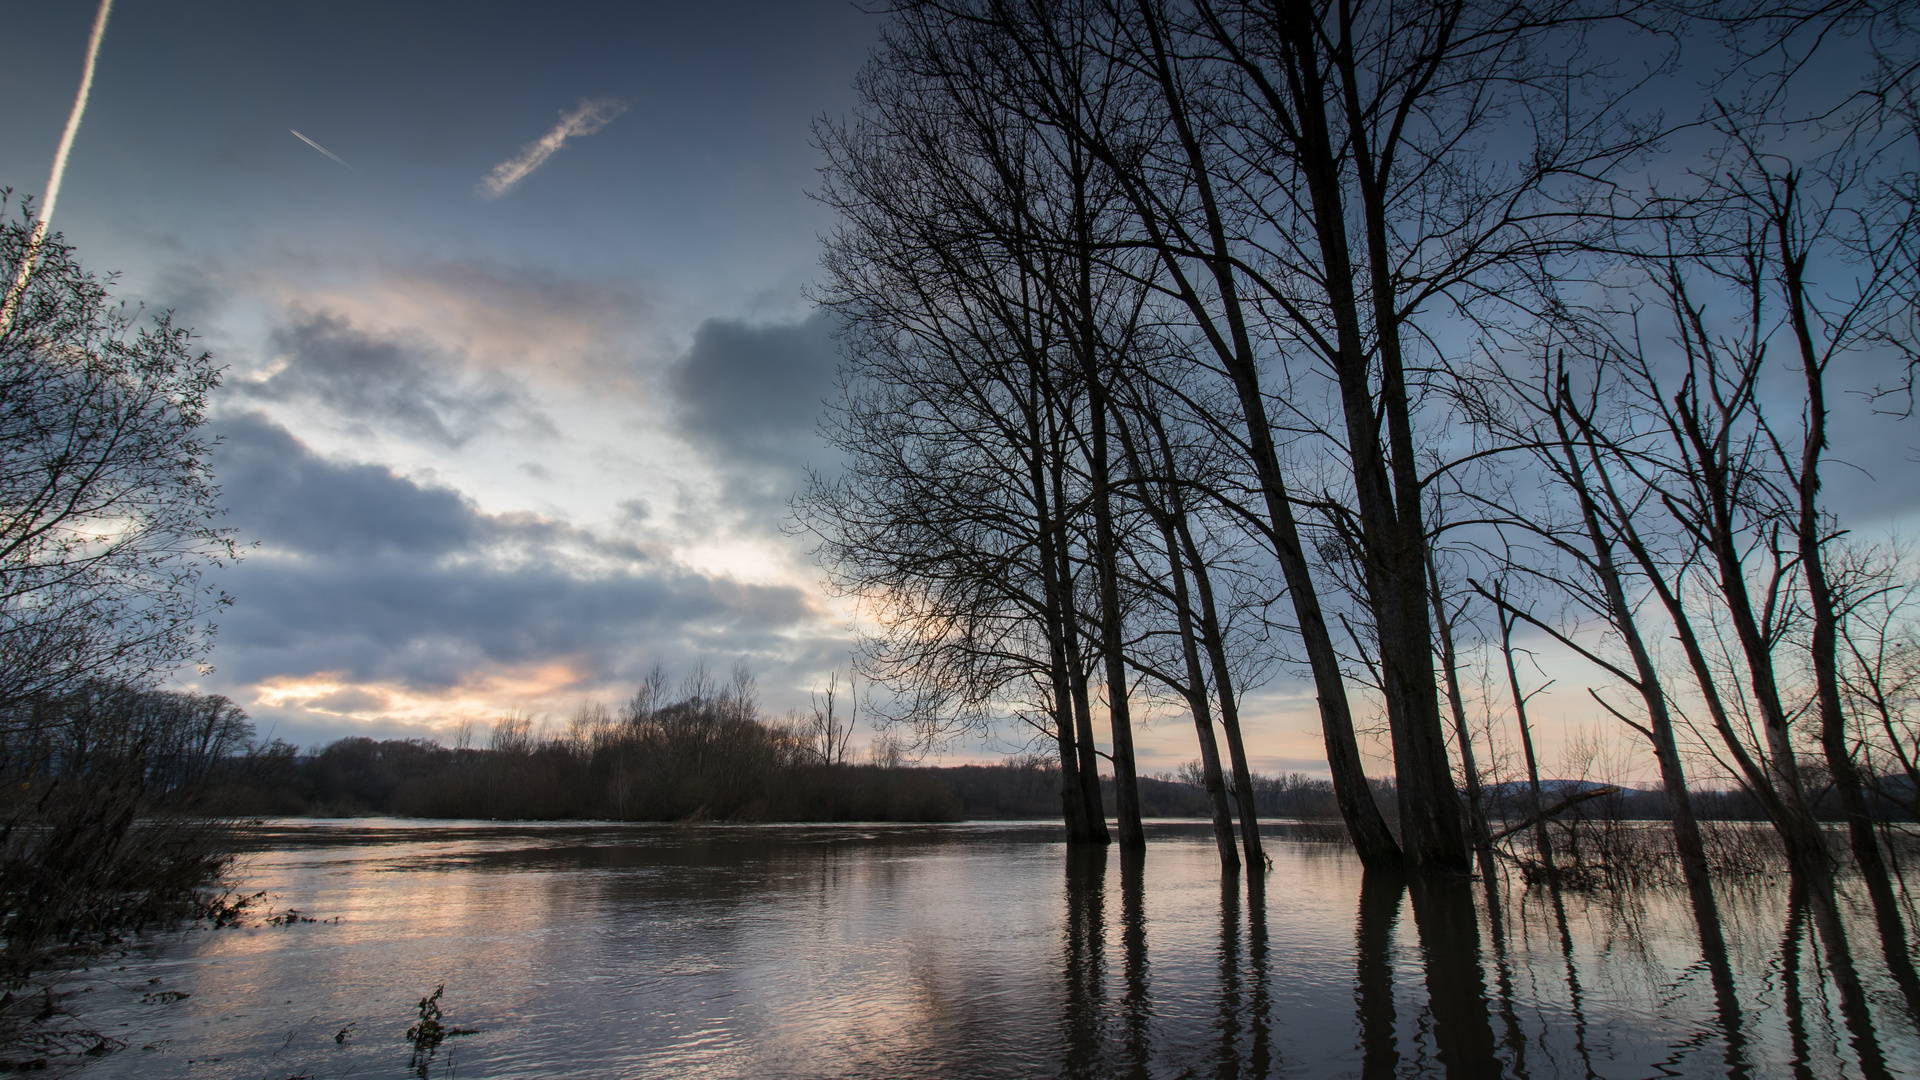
320	148
59	172
587	118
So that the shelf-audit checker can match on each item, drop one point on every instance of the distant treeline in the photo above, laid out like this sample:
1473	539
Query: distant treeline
710	755
750	776
687	771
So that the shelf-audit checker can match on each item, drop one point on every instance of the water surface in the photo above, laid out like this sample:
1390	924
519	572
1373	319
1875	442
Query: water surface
970	950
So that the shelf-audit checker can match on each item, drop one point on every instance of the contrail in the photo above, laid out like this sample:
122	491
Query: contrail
587	118
320	148
59	168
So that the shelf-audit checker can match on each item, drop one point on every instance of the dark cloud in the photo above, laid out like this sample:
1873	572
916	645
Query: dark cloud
752	396
390	384
436	626
291	500
381	579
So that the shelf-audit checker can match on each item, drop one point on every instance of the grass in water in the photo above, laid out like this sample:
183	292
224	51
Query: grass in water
427	1034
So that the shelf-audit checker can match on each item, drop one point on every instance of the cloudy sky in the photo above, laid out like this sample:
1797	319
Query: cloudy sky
521	370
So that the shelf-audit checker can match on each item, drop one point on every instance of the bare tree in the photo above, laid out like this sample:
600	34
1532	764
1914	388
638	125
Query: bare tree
1446	618
1879	672
960	513
108	515
826	733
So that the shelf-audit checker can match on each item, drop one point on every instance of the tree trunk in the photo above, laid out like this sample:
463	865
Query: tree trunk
1543	843
1073	805
1372	841
1077	677
1163	512
1825	651
1178	537
1202	717
1229	707
1646	680
1394	538
1476	802
1126	789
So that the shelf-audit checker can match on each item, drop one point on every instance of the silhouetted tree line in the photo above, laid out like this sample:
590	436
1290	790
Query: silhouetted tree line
688	761
750	776
548	778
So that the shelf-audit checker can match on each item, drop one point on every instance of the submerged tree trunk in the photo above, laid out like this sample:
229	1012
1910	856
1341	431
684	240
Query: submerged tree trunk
1202	718
1824	650
1646	680
1126	789
1086	343
1386	484
1073	803
1543	843
1171	516
1476	802
1163	512
1089	770
1229	706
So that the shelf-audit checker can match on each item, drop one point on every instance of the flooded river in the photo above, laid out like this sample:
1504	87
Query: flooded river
970	950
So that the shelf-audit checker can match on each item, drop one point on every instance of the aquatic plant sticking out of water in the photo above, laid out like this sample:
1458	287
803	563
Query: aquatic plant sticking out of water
427	1035
230	909
291	916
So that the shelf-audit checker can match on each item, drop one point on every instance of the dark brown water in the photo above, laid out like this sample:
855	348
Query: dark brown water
962	951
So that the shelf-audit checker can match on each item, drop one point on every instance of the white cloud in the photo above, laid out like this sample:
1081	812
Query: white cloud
585	119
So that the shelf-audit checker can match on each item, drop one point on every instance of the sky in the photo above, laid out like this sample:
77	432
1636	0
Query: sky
521	371
497	445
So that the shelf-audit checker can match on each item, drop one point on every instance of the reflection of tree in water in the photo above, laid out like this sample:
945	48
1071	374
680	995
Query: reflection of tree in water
1116	1037
1449	931
1085	958
1505	982
1575	1000
1817	906
1137	1006
1457	1014
1086	1004
1380	894
1515	1039
1790	986
1230	991
1260	1054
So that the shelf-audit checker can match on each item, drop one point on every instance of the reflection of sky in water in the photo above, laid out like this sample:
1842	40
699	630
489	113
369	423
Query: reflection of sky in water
971	950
